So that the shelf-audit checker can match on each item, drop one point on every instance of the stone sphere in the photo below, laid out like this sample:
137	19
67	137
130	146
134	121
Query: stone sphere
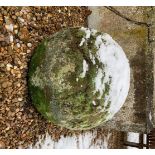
78	78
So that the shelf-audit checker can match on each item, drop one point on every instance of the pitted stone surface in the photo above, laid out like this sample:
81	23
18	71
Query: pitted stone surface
79	78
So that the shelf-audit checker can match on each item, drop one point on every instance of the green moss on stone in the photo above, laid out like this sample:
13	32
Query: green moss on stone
56	65
38	57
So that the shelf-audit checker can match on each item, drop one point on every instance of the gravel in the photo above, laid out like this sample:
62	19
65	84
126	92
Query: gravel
22	28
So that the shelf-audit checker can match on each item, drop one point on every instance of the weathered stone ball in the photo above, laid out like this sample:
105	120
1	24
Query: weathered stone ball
78	78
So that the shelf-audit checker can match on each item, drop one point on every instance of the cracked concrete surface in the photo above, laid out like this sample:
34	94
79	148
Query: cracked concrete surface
133	28
119	13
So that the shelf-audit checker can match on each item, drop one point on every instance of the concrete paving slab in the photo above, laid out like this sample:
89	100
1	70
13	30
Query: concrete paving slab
129	26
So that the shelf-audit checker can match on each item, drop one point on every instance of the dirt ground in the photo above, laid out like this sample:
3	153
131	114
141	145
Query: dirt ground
21	29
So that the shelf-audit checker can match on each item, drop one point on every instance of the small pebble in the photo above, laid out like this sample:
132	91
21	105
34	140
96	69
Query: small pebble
19	75
29	44
11	38
15	26
2	145
4	84
8	67
20	99
12	71
7	109
19	62
16	31
9	27
21	19
28	51
14	67
18	84
18	45
59	10
17	110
